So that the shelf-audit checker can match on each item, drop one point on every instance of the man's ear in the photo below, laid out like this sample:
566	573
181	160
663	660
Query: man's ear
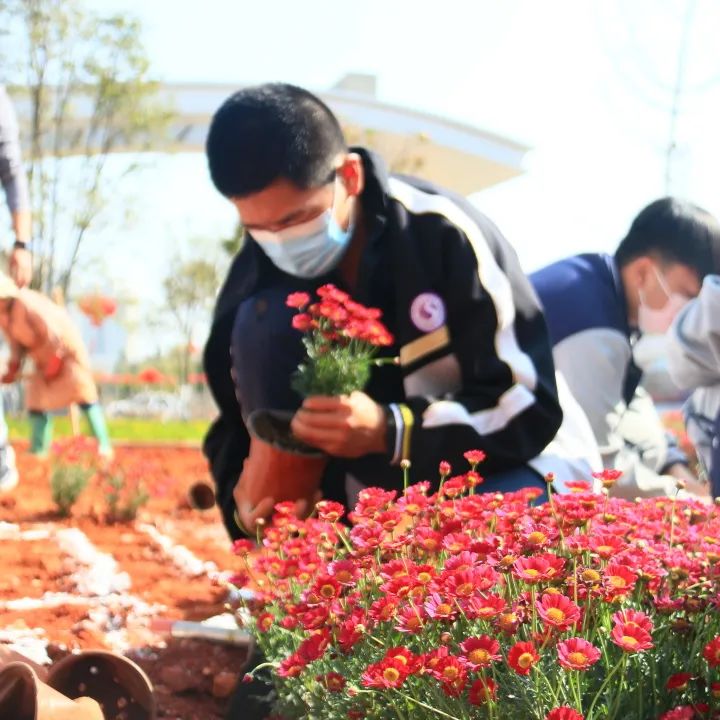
352	174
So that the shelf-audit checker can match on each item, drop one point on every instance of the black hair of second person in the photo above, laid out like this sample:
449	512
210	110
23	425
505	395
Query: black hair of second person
677	232
267	132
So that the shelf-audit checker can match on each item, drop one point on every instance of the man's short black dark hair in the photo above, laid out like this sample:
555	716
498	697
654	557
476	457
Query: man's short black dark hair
267	132
677	232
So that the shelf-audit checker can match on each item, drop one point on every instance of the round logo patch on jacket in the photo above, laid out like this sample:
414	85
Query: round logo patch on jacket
427	312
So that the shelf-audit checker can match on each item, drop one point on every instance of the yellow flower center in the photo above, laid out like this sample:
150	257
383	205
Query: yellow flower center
479	656
391	675
464	590
577	658
631	641
450	673
344	576
424	577
617	582
327	591
526	660
590	576
531	572
555	614
444	609
537	537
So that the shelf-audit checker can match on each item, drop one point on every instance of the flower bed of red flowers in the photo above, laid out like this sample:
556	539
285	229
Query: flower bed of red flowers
460	604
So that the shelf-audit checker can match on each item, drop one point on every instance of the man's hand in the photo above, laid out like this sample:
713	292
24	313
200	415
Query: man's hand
20	266
347	426
688	482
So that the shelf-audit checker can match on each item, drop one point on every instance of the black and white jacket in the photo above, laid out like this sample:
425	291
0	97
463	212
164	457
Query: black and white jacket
476	368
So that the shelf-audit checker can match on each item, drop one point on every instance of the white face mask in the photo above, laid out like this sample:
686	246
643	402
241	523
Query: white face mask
657	322
309	249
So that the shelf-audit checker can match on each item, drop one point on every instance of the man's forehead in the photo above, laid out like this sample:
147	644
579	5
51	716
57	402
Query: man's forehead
277	203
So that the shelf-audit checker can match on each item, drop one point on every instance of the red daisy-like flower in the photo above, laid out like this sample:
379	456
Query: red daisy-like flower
522	657
482	690
474	457
451	672
385	674
344	571
619	579
678	681
330	511
631	638
577	654
265	621
439	608
484	607
683	712
557	611
538	568
332	681
711	652
297	300
480	652
628	616
564	712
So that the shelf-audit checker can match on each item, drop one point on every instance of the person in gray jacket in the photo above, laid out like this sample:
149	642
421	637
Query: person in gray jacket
15	186
694	364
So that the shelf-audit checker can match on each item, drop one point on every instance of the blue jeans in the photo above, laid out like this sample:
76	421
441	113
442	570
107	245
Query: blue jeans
515	479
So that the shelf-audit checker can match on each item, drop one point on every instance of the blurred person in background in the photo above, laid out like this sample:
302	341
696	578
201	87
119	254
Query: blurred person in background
694	364
15	187
36	327
597	306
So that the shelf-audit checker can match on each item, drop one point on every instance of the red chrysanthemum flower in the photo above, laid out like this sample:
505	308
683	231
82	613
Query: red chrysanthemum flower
451	672
538	568
564	712
577	654
711	652
439	608
678	681
332	681
482	690
480	652
522	657
631	638
558	611
330	511
628	616
484	607
297	300
474	457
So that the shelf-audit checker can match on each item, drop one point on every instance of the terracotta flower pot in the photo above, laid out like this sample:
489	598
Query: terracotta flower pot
278	468
123	690
23	696
200	496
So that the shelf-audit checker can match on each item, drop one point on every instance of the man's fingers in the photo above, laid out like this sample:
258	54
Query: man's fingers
249	514
317	420
322	403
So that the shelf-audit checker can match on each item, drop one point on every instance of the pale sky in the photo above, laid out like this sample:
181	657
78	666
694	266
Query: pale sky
586	84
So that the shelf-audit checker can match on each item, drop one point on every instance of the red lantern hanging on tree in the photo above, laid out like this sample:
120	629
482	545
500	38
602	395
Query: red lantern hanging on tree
97	307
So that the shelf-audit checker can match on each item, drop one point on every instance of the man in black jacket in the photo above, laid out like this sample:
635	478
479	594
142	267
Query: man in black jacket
476	368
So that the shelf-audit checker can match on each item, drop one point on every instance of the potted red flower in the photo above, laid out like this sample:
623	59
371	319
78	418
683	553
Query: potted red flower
342	339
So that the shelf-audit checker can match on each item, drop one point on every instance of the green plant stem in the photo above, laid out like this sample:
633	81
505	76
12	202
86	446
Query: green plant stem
426	706
617	666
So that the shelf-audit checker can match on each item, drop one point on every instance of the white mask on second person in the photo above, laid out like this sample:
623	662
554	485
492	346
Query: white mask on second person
658	321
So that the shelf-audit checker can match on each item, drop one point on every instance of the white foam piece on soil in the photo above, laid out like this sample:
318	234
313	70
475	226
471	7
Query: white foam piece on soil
29	642
183	559
98	572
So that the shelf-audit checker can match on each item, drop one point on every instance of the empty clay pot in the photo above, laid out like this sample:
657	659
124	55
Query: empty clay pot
123	690
23	696
201	496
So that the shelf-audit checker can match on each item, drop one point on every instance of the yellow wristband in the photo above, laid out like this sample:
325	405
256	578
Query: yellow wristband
408	421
